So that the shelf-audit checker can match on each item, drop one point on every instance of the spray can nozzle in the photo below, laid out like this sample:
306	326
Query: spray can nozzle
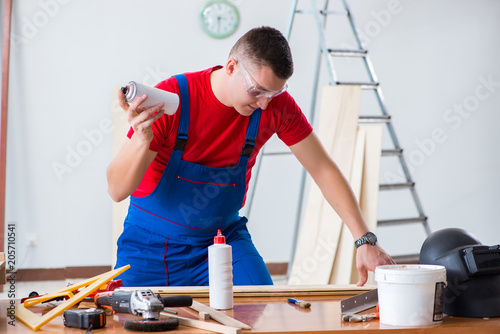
155	95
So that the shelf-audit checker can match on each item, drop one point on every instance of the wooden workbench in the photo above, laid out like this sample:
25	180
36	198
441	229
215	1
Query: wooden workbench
272	315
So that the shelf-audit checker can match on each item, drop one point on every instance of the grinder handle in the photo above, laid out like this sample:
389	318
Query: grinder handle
176	301
103	299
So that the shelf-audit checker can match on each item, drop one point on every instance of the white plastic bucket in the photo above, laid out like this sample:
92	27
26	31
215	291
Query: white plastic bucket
410	295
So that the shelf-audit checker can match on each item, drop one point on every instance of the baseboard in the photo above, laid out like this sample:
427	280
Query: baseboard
277	268
58	274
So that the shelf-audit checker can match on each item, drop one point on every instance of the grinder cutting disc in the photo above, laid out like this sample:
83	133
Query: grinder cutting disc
152	325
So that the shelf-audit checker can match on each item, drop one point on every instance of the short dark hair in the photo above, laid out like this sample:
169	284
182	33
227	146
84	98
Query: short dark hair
265	46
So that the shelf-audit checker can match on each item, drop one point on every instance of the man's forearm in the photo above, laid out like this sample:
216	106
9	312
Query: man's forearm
127	169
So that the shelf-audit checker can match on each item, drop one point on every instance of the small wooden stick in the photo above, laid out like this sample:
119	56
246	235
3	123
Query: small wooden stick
203	316
209	326
218	316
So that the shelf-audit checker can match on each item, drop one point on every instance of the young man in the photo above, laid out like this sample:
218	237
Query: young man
188	173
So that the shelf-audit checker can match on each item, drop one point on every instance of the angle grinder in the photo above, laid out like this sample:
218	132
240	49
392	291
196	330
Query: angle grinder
143	303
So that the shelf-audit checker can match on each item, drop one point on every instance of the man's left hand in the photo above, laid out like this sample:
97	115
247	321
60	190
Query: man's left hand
367	258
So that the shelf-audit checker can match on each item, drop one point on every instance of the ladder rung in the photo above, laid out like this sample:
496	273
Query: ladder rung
401	221
334	12
375	119
322	12
304	11
386	152
395	186
391	152
364	85
348	53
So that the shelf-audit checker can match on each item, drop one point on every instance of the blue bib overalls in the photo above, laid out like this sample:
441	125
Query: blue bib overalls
166	234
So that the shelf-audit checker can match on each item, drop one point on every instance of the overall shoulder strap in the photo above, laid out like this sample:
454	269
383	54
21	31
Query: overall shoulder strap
253	128
182	132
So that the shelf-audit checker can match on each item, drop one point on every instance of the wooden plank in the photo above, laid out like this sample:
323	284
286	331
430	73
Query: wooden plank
204	293
209	326
249	291
321	227
120	129
343	153
371	174
342	266
368	201
309	231
218	316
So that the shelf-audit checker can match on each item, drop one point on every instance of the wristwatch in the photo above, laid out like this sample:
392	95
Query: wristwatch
369	238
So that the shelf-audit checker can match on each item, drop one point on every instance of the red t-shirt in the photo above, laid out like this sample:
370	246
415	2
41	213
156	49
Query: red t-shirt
217	133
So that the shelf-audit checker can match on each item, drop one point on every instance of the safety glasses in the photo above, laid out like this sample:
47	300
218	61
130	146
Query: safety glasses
253	89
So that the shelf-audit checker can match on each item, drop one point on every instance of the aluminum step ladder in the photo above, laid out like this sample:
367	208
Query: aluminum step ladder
360	52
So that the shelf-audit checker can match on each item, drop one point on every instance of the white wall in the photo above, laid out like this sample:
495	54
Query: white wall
67	55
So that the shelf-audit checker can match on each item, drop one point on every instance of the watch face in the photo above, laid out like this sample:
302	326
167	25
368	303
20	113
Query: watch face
372	238
219	18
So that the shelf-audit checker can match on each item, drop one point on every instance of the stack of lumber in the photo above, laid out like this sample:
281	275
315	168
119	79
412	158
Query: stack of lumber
120	130
325	252
253	291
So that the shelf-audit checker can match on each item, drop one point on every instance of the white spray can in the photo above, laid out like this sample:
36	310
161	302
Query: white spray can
220	273
134	89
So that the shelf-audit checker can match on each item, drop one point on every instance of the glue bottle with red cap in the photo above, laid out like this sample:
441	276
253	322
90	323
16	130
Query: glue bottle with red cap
220	273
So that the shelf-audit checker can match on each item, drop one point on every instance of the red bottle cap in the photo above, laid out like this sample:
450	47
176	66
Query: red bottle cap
219	238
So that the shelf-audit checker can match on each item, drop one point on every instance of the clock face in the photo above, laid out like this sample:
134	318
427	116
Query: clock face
219	18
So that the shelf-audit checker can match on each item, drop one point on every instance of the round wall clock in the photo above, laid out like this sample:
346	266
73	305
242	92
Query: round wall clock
219	18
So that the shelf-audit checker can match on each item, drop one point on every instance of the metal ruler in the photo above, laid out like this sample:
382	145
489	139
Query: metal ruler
359	303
